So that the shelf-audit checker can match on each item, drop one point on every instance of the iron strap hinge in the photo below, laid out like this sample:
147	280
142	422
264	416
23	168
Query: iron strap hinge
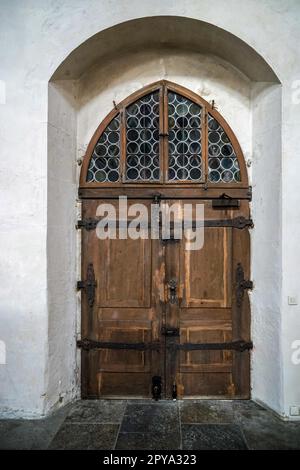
238	345
246	284
239	222
88	344
242	284
225	201
87	224
89	285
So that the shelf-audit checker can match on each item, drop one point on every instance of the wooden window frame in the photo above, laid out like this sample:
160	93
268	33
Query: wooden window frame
163	86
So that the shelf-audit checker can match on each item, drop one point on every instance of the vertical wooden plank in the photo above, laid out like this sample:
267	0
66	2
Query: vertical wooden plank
165	155
172	256
241	315
123	140
161	133
204	144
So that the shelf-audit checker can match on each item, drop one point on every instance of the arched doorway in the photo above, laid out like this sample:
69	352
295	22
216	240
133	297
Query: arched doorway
158	319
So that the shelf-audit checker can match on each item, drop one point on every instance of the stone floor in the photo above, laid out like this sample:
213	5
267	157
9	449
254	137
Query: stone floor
138	424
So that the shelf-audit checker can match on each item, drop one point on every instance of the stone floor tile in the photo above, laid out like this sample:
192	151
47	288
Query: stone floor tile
212	437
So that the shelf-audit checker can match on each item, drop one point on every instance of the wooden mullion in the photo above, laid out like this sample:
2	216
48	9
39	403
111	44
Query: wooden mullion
123	145
166	134
204	144
161	134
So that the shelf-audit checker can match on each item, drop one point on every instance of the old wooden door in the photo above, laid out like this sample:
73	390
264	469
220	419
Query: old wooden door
127	308
159	319
210	311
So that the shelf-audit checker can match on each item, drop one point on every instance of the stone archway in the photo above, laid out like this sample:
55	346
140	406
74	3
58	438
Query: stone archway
113	46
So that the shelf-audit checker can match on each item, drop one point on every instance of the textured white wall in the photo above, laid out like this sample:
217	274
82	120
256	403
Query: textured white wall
36	38
61	377
266	266
208	76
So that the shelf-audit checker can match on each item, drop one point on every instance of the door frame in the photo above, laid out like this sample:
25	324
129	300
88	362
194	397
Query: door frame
204	190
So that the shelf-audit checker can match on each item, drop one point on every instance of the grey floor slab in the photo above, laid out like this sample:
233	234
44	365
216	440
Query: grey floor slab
161	416
212	437
149	441
85	437
97	411
206	411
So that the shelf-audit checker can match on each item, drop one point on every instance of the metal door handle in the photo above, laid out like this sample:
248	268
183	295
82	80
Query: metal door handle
173	291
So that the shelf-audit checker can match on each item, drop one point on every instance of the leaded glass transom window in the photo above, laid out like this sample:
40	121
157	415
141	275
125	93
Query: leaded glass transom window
105	162
166	135
185	156
142	132
223	165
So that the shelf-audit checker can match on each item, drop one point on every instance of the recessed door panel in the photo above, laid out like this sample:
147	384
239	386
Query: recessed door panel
124	273
206	273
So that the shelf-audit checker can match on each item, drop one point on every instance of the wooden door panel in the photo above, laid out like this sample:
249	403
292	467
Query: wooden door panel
206	384
206	314
140	316
119	360
124	274
206	273
131	385
192	360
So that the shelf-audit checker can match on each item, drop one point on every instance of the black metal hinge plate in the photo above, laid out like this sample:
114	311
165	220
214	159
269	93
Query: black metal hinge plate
238	345
225	201
88	344
239	222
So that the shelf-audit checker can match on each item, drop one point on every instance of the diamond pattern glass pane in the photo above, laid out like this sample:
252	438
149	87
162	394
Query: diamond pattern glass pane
105	162
223	165
142	133
185	153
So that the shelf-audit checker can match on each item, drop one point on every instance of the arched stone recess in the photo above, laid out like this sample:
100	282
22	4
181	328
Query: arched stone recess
104	70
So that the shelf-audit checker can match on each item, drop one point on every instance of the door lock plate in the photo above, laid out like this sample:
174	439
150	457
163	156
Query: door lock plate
169	331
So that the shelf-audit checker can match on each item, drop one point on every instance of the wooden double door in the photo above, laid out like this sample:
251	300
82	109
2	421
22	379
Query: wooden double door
160	320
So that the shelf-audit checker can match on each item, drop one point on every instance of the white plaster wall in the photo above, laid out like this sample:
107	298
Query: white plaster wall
266	256
36	36
62	383
208	76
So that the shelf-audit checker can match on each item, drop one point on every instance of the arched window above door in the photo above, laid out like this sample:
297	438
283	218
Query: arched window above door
164	135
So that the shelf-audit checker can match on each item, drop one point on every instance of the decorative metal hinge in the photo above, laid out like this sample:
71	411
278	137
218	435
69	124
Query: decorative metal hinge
89	285
88	344
225	201
241	284
242	222
249	193
172	239
237	222
88	224
238	345
156	387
